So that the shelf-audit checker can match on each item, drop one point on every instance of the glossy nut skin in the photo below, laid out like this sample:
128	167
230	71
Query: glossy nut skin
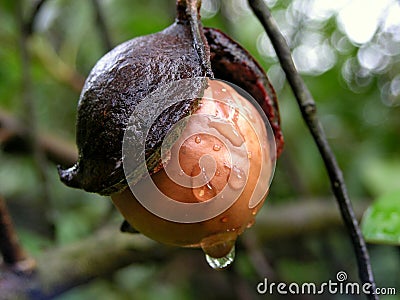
134	69
234	220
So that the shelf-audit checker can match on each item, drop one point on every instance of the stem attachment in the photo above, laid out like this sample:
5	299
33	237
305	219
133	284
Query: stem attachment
188	11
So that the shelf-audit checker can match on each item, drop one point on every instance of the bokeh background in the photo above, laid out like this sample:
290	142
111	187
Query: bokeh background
347	51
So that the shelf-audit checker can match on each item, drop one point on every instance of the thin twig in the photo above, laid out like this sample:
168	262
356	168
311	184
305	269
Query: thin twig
10	248
189	11
257	257
56	67
51	61
308	110
102	26
62	268
106	250
15	139
30	117
28	28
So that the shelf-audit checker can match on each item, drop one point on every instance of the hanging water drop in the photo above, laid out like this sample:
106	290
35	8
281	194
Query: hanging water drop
219	249
197	140
221	262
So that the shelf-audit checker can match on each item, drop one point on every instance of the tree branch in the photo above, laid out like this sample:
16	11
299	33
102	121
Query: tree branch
14	138
10	248
56	67
189	11
30	117
61	269
28	28
102	27
308	110
107	250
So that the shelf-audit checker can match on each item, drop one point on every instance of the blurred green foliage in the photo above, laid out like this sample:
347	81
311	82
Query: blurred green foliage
381	222
356	86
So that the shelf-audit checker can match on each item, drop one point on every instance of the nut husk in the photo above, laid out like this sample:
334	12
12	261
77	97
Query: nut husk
127	74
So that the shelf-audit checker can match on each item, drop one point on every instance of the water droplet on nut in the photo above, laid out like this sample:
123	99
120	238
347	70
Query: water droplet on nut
216	147
237	179
251	223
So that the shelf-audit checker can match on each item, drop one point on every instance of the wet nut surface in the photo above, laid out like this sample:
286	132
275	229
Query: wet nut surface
227	155
120	82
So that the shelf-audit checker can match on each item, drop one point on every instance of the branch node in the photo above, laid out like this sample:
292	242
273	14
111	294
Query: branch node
13	254
310	108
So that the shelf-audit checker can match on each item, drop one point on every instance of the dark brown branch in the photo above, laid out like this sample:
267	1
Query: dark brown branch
28	28
61	269
30	118
257	257
102	27
308	110
108	250
14	138
57	68
306	217
10	248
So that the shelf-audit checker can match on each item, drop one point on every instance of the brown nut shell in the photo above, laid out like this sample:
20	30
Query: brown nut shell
236	217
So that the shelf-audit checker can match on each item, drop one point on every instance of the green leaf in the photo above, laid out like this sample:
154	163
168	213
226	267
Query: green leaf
381	221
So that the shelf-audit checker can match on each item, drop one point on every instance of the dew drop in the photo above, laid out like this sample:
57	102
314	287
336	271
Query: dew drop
197	140
216	147
223	89
204	193
238	179
224	219
201	193
217	172
221	262
254	212
251	223
249	155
